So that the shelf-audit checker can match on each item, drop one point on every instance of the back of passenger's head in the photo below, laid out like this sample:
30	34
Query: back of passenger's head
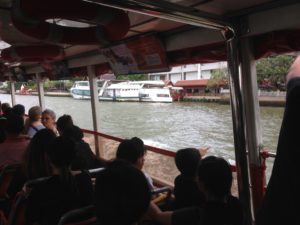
14	125
215	175
73	132
63	123
36	164
49	112
131	150
61	152
4	106
35	113
7	112
122	194
187	161
18	110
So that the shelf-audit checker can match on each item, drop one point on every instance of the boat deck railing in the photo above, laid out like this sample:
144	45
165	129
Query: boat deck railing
159	163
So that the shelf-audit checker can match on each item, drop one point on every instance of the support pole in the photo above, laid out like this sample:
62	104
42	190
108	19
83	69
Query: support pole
12	91
41	92
236	100
94	102
252	120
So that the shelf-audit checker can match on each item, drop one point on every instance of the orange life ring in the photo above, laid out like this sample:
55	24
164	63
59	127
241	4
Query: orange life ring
29	17
36	53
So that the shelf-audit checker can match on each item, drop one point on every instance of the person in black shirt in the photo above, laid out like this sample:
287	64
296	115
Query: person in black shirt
62	192
215	179
84	158
186	190
122	194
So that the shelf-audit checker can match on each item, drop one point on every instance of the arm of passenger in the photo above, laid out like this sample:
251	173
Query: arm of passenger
203	151
164	218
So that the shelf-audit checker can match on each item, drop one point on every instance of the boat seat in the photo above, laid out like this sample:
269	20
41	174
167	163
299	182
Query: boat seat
18	209
162	194
81	216
93	172
19	205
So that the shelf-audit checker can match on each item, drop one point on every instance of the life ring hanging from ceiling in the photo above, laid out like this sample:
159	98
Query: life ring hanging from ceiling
35	53
29	17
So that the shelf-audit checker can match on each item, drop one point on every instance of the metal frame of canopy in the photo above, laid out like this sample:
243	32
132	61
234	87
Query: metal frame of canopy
244	100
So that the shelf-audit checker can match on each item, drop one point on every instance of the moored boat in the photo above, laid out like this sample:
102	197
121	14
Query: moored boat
81	89
143	91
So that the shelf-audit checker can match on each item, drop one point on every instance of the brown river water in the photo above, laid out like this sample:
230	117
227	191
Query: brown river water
170	126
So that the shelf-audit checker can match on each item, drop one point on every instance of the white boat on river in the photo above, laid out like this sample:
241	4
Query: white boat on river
143	91
81	89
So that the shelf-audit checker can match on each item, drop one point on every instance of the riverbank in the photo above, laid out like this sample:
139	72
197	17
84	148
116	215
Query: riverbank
53	94
274	101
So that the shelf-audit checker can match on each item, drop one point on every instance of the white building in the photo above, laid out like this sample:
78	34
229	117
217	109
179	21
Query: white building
189	72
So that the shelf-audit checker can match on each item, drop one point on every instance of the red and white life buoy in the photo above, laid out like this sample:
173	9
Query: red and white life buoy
36	53
29	17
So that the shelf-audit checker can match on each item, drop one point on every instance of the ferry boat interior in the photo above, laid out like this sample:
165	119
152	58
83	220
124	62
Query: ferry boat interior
60	39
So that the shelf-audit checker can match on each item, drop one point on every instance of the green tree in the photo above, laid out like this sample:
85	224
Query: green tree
133	77
218	77
273	69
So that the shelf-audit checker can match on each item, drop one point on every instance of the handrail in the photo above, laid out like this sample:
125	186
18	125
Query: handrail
148	147
169	11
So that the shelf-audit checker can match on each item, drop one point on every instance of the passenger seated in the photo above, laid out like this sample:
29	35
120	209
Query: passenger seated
64	122
33	123
215	180
85	158
62	192
35	163
48	120
186	189
15	143
281	202
6	109
133	151
122	194
19	110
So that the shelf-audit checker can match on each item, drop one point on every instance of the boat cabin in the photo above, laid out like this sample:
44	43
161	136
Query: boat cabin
144	36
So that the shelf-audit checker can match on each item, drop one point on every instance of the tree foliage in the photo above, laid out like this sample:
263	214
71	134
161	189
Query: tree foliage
218	77
273	69
133	77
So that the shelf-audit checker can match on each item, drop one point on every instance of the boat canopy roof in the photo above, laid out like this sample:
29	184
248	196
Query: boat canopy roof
154	38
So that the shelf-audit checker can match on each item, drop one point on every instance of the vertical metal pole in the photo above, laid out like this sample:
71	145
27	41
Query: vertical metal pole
236	100
13	91
252	120
41	92
94	101
199	72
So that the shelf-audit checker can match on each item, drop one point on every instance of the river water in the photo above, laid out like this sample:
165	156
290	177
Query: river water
167	125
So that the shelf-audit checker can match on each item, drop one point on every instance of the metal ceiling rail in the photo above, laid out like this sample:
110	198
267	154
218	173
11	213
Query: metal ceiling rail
169	11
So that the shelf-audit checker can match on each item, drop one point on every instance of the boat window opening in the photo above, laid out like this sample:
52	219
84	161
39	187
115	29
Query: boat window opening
162	95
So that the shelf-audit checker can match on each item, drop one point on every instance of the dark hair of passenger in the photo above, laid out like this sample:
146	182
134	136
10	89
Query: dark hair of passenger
63	123
14	125
73	132
61	153
216	176
5	106
18	110
131	149
122	194
187	161
36	164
